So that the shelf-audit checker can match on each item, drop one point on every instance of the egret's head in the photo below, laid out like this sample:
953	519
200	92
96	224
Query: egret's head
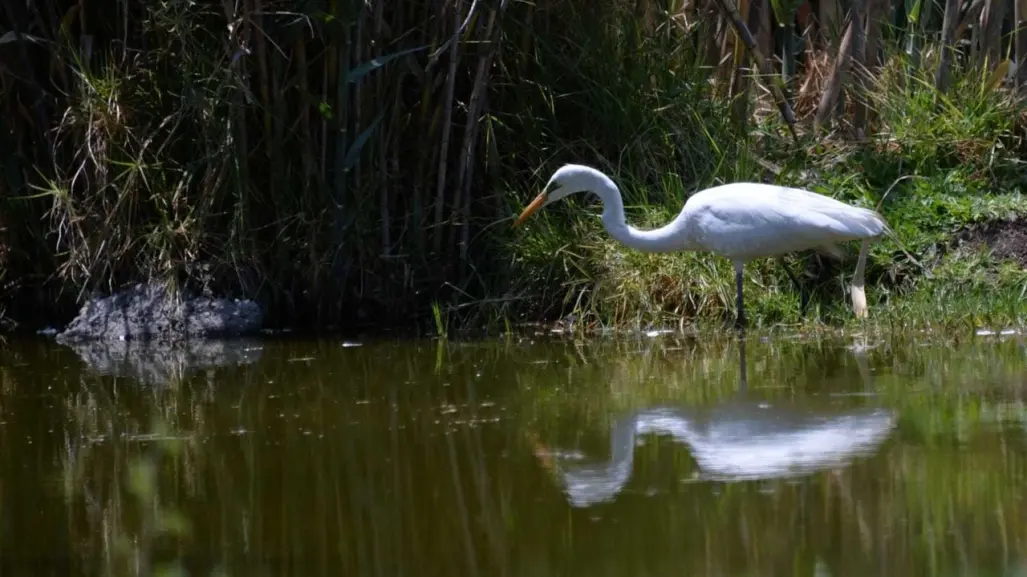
567	180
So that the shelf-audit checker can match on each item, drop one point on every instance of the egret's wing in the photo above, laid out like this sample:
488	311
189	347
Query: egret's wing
853	220
752	220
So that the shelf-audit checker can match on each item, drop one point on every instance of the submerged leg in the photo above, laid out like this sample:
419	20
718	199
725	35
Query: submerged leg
803	297
740	321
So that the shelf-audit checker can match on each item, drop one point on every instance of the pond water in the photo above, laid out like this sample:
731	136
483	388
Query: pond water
521	456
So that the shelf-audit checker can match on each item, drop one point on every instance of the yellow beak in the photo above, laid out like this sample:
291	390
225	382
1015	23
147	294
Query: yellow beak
531	208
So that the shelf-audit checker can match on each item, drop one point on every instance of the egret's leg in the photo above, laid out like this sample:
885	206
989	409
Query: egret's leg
740	323
859	298
803	297
743	382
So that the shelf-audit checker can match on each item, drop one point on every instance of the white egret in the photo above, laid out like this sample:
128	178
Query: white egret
740	221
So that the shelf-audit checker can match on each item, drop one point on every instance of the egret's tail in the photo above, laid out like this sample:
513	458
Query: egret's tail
888	232
885	228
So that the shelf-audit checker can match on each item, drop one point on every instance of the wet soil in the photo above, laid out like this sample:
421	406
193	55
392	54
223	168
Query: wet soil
1007	239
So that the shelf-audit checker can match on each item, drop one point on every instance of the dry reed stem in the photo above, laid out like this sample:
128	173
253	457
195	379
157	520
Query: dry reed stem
852	46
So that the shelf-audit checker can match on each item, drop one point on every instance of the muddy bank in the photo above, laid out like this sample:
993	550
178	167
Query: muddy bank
1006	239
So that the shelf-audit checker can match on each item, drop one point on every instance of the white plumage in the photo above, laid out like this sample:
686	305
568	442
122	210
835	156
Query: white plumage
739	221
751	220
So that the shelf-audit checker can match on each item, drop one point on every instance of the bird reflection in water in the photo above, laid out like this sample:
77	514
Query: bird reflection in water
737	440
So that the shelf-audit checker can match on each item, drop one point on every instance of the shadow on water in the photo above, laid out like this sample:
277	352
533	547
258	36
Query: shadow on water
432	458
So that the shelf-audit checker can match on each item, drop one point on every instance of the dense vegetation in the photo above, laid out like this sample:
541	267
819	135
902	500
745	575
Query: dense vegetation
351	161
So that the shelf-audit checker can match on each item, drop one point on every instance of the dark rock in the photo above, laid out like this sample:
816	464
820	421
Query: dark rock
147	312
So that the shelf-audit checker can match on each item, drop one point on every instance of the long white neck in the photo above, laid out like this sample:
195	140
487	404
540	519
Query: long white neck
667	238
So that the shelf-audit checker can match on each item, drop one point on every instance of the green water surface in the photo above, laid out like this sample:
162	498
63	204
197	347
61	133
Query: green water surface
654	455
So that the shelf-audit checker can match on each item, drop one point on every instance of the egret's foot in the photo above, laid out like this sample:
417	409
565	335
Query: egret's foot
740	322
739	302
859	298
859	301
